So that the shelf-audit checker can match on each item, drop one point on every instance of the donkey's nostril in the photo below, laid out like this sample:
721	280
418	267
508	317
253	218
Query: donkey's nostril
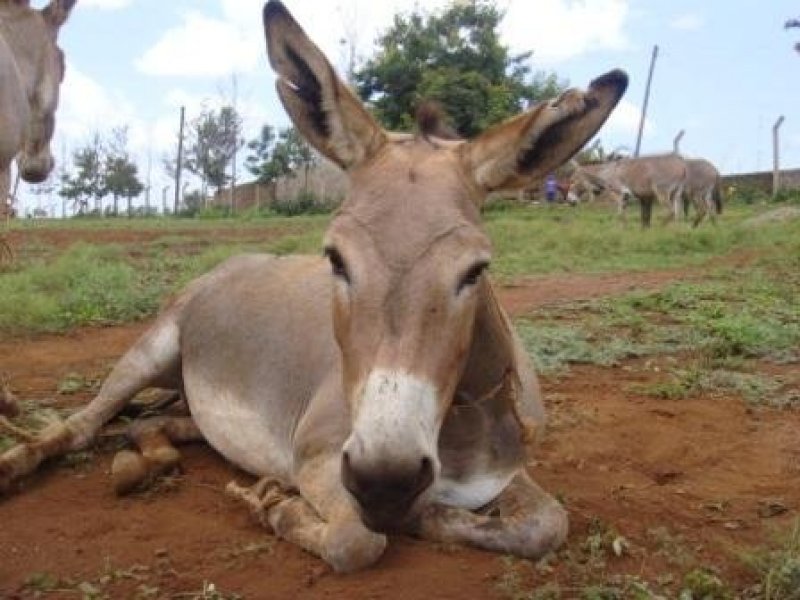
383	487
425	476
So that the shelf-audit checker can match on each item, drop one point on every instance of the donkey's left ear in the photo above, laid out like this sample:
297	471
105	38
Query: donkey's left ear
529	146
57	12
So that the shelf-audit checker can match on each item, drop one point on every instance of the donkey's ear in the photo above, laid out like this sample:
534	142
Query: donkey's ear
534	143
57	12
325	111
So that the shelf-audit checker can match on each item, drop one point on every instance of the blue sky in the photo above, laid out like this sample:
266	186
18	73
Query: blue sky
726	68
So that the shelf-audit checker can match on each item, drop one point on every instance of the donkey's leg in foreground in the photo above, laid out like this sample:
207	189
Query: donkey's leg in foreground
316	516
155	438
153	360
523	521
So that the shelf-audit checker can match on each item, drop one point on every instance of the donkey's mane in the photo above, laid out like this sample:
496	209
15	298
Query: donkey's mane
432	121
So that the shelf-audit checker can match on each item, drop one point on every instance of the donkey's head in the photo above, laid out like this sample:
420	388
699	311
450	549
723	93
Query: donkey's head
408	254
32	35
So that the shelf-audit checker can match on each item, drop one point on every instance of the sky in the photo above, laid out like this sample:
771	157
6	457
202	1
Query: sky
726	69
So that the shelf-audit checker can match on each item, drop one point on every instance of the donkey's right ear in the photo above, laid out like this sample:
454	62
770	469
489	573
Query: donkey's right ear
325	111
57	12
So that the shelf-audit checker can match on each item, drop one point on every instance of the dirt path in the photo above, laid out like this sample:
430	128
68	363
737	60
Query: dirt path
679	480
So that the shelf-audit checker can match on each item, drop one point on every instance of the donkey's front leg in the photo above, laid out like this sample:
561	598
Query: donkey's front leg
523	520
317	515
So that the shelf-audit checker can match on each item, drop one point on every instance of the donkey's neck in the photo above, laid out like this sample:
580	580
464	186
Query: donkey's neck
491	358
22	39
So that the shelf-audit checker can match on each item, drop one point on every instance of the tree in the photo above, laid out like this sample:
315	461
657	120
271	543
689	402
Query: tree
88	182
259	162
294	153
271	158
214	138
454	57
120	175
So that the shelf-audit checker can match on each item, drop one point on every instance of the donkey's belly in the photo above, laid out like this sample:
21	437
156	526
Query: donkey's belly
256	343
245	433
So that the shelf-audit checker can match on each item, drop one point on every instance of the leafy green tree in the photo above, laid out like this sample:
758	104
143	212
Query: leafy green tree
455	58
272	157
88	181
121	175
214	138
259	161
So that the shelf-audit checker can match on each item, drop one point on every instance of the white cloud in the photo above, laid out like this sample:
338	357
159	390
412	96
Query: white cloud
624	121
687	22
557	30
204	47
105	4
86	105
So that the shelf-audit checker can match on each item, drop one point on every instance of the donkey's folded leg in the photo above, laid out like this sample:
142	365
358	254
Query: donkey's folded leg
153	360
523	520
155	438
317	516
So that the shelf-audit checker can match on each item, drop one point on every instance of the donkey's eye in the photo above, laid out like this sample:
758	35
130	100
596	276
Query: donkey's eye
338	268
472	275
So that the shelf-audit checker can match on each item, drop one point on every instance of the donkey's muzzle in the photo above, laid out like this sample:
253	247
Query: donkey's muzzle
386	494
35	169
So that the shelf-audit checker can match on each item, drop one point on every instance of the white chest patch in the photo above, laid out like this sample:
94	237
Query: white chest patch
474	492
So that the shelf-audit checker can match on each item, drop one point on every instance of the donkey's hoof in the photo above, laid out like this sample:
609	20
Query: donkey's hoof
352	547
13	465
129	470
162	459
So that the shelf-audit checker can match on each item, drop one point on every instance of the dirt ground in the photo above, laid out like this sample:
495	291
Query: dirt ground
677	478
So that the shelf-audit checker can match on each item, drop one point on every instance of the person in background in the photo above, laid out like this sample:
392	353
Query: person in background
550	188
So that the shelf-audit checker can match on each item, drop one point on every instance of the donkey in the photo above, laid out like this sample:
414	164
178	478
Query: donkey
379	388
585	182
31	72
702	188
655	178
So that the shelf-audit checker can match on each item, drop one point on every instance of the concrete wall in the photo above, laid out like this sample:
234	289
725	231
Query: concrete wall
762	181
326	182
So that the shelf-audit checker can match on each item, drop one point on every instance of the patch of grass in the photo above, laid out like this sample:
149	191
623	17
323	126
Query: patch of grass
778	568
755	388
86	285
530	240
671	546
704	584
73	383
553	347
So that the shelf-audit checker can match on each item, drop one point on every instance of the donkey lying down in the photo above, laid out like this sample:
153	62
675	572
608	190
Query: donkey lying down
380	388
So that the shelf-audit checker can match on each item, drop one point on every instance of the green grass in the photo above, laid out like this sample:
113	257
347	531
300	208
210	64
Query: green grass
778	568
85	285
51	290
590	239
713	330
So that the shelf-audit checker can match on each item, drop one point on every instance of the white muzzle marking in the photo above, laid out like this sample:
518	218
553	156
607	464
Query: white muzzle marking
397	418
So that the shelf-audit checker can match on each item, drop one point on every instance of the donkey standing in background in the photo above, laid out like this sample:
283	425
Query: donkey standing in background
378	389
655	178
702	188
31	71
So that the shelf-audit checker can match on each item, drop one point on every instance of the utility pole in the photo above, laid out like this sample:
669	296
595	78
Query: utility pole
164	191
776	157
646	100
179	162
149	181
235	134
676	142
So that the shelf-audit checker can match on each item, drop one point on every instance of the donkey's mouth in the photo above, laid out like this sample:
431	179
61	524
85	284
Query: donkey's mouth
389	520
